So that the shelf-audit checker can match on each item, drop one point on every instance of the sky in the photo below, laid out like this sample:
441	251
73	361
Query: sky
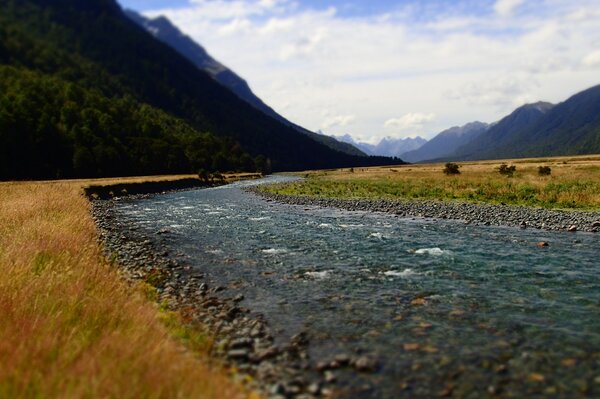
385	68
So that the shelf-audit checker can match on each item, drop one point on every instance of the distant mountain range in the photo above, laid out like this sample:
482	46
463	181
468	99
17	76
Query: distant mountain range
541	129
164	30
532	130
446	142
388	146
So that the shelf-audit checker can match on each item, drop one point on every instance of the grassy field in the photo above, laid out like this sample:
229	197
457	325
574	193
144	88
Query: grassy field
70	327
574	183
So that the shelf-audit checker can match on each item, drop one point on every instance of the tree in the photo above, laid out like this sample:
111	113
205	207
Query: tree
544	170
506	170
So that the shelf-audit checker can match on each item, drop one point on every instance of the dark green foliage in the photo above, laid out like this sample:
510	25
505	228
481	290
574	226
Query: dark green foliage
50	128
93	94
506	170
451	169
544	170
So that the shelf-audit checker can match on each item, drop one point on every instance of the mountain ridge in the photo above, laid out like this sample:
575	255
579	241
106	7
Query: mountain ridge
165	31
538	129
501	133
446	142
387	146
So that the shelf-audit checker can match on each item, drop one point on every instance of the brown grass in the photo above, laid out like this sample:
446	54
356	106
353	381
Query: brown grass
573	184
69	325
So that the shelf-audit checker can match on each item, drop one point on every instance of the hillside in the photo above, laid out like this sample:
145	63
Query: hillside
93	49
446	142
569	128
503	133
162	29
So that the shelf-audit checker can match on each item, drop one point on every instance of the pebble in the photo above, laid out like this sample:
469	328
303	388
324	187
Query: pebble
470	213
365	364
238	354
243	341
329	377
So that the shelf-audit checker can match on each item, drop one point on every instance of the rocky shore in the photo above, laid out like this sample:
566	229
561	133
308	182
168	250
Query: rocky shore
278	369
470	213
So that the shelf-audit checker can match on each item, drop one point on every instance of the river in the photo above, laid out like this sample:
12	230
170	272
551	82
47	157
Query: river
447	309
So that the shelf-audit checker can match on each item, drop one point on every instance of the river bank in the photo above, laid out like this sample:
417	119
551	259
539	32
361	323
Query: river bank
470	213
71	327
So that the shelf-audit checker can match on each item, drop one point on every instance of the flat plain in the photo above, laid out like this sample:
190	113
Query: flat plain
574	183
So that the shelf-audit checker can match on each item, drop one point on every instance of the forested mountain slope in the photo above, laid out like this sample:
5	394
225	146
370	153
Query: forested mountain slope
90	47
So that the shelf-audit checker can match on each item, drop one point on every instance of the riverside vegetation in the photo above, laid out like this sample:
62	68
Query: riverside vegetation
574	183
70	326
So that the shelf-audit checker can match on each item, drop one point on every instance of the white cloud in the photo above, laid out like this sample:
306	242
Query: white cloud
503	92
592	59
337	120
458	66
506	8
410	121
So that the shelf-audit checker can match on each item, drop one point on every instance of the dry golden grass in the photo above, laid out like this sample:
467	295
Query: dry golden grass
70	327
574	183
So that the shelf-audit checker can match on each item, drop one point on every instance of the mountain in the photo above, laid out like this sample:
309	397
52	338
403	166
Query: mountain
446	142
164	30
535	130
570	128
87	92
388	146
503	133
396	147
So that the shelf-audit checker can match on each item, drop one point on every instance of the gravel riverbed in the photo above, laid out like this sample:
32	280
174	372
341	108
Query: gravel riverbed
244	341
470	213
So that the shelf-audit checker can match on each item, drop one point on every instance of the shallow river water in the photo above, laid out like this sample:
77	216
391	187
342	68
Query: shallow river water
447	309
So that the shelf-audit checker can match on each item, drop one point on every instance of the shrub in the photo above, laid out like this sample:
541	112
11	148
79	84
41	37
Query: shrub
544	170
217	176
452	169
203	175
506	170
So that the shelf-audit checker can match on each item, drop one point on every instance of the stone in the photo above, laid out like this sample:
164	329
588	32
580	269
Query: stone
322	366
300	339
268	353
329	377
238	298
314	388
238	354
596	224
241	343
277	389
342	359
365	364
572	228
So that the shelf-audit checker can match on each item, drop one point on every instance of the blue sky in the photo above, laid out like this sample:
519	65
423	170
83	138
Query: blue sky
396	68
345	8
